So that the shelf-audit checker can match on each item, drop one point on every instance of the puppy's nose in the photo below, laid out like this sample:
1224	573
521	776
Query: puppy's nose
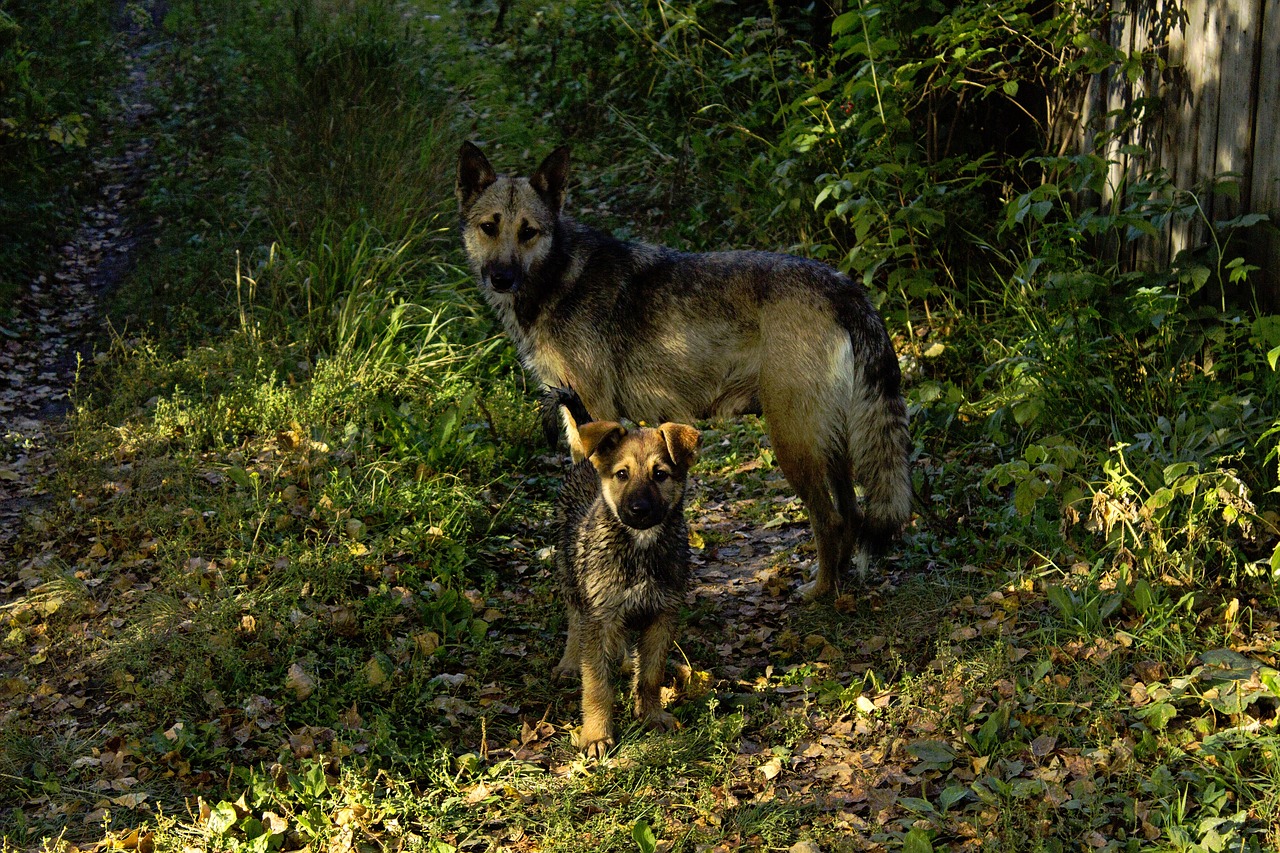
640	505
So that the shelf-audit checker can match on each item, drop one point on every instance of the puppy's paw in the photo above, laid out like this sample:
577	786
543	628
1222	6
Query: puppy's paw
597	748
564	671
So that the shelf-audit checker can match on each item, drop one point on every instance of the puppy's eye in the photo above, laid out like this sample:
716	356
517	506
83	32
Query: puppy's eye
660	474
490	229
621	475
526	233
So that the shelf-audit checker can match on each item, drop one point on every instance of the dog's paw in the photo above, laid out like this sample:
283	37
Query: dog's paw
598	748
814	589
564	671
661	722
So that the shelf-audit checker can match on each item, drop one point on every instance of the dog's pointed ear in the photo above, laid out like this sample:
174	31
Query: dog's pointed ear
475	174
551	177
599	435
682	443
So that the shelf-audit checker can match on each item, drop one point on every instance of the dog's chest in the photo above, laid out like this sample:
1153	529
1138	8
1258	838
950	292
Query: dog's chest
625	575
609	590
563	360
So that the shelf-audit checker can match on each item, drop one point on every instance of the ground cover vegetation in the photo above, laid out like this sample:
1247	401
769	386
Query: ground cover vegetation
57	67
288	587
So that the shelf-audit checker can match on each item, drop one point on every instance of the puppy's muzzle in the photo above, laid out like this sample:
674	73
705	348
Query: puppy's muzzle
640	511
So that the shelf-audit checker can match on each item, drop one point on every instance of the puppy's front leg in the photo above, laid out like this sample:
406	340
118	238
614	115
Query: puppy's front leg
597	697
646	685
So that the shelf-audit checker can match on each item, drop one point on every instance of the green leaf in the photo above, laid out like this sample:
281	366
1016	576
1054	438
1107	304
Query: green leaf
222	818
1272	357
1143	596
1157	716
951	795
643	836
916	804
933	752
1011	88
917	841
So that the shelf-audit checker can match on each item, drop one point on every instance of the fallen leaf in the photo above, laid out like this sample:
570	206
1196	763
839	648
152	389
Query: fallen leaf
300	682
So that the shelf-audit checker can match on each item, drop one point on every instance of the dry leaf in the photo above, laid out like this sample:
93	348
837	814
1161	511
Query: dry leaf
300	682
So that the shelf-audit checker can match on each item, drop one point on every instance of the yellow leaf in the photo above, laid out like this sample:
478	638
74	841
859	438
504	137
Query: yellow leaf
427	642
374	674
130	801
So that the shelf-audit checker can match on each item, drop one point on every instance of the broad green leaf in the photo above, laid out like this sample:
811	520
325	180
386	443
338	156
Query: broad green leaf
934	752
951	795
917	841
222	818
643	836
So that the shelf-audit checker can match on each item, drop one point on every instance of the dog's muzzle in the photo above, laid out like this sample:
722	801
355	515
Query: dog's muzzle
640	511
504	278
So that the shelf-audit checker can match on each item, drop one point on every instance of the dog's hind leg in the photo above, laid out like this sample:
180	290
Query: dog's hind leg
646	683
840	482
570	661
807	473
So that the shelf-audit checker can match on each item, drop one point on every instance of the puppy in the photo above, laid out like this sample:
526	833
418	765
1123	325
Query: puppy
623	564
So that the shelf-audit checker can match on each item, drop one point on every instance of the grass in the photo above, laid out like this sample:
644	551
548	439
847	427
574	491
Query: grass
288	587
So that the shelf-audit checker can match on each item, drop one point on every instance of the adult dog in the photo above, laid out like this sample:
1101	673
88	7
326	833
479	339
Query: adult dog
651	333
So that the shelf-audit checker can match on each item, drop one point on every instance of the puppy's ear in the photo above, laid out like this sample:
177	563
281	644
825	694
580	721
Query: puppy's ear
571	434
551	177
475	174
682	443
599	437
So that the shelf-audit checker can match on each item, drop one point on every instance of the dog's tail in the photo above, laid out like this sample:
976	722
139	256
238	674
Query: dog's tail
878	437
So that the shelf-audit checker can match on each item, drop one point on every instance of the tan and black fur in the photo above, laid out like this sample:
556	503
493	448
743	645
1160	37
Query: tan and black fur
622	562
650	333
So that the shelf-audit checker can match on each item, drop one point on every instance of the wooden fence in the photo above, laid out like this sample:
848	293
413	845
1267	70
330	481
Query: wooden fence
1217	109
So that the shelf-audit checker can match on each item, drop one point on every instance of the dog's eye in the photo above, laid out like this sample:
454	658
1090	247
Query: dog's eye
490	229
621	475
659	474
526	233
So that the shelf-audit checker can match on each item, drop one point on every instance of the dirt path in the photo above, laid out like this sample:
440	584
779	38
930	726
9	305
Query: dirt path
58	320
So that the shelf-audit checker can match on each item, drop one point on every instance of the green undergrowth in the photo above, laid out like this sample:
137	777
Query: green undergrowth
58	66
288	586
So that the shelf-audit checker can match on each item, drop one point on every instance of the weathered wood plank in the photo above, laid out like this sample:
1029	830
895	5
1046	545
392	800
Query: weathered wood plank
1236	38
1264	190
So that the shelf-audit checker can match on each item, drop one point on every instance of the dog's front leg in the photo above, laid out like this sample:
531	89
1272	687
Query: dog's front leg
597	694
646	685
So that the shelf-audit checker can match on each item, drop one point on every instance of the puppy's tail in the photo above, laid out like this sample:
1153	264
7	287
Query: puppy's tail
562	412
